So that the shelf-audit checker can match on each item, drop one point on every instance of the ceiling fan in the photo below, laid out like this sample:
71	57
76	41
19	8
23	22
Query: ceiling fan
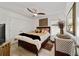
35	12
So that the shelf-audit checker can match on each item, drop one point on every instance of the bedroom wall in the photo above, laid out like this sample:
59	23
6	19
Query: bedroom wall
15	23
60	15
51	18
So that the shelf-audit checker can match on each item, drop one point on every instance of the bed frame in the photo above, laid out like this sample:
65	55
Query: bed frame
32	47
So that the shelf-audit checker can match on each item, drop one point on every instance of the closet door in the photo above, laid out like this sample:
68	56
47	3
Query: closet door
43	22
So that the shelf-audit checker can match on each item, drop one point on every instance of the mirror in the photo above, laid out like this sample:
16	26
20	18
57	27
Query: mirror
70	20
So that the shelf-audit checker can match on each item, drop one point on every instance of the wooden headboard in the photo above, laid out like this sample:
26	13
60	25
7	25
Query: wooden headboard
44	28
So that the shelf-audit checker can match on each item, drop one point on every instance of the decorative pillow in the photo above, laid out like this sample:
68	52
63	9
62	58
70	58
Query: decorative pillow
37	31
42	30
45	30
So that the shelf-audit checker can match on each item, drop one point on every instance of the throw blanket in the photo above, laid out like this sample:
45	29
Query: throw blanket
34	37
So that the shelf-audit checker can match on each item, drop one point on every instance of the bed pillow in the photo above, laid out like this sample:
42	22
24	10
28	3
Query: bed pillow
37	31
45	30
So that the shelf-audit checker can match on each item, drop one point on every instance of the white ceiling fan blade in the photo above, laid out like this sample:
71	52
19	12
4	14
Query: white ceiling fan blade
34	12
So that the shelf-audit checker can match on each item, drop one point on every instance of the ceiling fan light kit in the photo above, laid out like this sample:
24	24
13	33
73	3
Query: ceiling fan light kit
34	11
35	14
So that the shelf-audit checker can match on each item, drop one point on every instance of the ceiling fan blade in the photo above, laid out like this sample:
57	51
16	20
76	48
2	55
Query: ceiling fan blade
35	10
41	13
30	10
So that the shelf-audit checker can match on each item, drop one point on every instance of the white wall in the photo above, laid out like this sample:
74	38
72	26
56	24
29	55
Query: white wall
77	22
15	23
54	18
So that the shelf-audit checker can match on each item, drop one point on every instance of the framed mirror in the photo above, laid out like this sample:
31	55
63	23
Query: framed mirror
70	19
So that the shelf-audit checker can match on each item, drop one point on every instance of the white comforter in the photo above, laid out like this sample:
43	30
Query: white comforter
43	37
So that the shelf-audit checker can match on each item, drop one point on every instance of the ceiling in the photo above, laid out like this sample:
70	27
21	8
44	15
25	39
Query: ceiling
50	8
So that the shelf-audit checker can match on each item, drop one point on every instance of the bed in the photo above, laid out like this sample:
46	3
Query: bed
34	45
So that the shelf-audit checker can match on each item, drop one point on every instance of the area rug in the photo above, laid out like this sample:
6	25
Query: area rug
48	45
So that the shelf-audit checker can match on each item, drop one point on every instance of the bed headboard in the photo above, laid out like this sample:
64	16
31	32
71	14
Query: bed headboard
48	28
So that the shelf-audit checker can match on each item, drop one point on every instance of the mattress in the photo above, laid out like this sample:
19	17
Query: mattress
43	37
